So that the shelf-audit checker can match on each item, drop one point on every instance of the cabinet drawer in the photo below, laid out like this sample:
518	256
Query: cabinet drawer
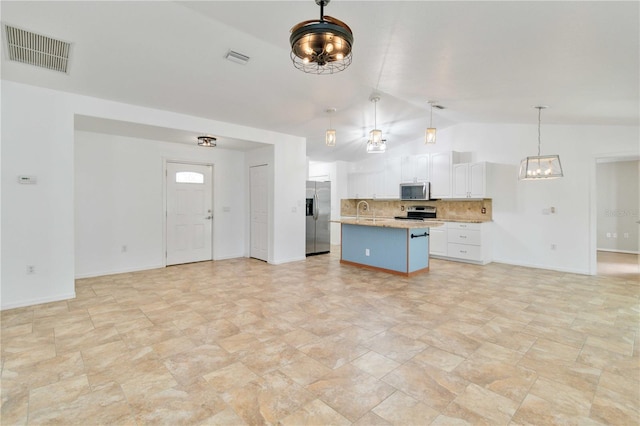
463	251
463	236
464	225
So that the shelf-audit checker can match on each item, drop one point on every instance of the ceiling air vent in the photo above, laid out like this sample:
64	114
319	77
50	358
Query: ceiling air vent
35	49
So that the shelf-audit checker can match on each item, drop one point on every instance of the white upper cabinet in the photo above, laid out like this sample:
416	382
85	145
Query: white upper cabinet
415	168
392	177
441	167
470	180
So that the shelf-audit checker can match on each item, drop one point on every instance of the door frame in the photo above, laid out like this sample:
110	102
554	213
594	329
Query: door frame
593	203
269	211
165	161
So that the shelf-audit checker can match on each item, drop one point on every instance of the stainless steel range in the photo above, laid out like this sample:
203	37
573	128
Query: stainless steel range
419	213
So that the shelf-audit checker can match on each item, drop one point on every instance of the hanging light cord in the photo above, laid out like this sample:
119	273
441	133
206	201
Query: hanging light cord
431	116
539	112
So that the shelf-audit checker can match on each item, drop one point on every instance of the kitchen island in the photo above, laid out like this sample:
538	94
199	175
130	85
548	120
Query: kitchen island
395	246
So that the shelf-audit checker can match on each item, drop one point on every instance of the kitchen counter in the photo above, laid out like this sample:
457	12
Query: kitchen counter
385	222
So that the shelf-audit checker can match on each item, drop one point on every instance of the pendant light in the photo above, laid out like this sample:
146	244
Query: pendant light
207	141
321	46
375	144
330	134
430	133
540	166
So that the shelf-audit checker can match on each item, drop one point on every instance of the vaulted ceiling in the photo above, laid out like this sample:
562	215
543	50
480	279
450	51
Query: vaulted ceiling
487	62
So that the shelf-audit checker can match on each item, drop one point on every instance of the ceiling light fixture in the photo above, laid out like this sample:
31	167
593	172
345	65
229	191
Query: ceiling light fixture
540	166
430	133
330	134
375	144
321	46
208	141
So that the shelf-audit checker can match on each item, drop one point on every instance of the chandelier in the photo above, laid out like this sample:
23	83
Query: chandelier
540	166
321	46
375	144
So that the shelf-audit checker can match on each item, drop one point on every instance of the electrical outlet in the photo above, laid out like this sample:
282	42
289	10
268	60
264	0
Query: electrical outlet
553	246
484	210
367	252
31	269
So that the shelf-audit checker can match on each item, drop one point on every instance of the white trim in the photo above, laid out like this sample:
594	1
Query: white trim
39	301
593	205
544	267
618	251
119	271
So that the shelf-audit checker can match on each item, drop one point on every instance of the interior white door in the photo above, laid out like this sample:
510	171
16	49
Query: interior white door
189	213
259	209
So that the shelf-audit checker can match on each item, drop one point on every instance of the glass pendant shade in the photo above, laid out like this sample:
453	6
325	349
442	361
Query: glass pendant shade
375	144
540	167
375	136
537	167
321	46
330	137
376	147
430	135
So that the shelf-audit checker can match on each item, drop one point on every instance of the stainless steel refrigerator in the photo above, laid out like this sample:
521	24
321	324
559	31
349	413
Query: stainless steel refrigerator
318	212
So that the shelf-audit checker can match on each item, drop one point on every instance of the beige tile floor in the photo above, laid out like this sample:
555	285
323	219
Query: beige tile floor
315	342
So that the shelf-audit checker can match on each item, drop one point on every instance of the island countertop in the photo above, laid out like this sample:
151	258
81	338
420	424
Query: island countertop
390	223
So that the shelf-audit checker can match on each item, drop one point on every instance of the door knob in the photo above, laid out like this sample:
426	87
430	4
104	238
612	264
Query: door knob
209	217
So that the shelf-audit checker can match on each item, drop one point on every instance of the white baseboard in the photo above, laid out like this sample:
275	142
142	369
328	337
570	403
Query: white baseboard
39	301
117	271
619	251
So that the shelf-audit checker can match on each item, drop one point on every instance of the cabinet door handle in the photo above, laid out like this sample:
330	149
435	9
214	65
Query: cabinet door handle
463	236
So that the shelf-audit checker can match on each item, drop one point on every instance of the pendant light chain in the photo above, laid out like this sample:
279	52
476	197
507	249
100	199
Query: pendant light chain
539	113
431	116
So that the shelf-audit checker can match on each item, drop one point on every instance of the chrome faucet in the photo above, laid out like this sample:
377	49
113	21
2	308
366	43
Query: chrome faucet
358	208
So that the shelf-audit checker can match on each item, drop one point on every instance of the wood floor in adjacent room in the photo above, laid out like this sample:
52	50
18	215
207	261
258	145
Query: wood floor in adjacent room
315	342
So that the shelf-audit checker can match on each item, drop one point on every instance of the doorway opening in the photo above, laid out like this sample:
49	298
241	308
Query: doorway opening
617	219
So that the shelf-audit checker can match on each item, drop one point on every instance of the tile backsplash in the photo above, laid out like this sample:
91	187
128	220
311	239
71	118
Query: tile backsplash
466	210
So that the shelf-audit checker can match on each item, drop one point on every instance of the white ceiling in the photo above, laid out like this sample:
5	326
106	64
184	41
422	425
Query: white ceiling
485	62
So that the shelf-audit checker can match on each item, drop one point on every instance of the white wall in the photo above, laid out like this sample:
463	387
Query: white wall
523	235
618	206
119	200
38	220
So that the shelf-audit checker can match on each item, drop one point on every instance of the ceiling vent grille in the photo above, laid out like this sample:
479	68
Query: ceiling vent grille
35	49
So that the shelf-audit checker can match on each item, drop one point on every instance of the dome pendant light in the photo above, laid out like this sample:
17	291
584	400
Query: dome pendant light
375	144
540	166
321	46
330	134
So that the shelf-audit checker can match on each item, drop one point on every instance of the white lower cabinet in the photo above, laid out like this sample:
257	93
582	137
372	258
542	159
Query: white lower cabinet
438	241
467	242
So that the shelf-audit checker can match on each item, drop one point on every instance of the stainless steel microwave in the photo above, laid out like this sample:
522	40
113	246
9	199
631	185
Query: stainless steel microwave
415	191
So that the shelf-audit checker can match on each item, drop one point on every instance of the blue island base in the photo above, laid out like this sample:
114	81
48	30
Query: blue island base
399	251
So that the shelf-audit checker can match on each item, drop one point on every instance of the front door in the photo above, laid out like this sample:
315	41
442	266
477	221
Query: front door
189	213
